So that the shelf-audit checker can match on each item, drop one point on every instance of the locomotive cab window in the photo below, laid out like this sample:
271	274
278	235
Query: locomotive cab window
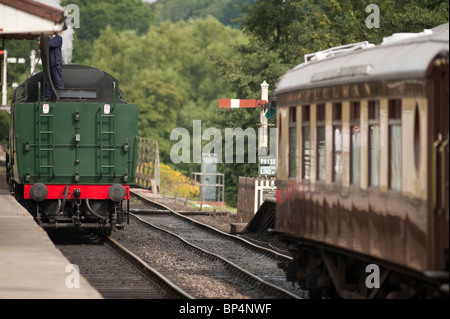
395	144
306	143
292	143
337	142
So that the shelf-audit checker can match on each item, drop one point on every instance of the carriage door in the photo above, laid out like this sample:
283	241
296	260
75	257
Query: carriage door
440	163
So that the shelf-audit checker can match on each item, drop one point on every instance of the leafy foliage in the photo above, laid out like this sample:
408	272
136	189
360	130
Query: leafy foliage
226	11
175	183
293	28
17	73
4	126
282	31
168	72
95	16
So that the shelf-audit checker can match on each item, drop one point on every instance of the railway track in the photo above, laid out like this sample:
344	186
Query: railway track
195	270
115	271
258	261
119	272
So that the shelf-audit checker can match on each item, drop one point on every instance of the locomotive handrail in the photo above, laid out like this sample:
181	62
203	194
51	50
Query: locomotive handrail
114	93
39	91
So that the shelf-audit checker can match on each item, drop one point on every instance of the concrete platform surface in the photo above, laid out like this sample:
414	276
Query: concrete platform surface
30	264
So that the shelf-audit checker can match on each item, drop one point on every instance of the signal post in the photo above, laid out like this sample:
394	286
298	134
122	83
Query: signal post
266	163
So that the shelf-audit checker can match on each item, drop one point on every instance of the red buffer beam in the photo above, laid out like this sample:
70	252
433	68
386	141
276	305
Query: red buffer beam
239	103
86	191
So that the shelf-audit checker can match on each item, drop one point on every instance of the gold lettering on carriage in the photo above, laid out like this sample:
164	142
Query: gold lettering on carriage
358	90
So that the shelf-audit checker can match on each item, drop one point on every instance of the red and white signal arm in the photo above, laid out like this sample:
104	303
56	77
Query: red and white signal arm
240	103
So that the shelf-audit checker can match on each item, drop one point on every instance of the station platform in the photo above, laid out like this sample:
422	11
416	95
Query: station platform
31	267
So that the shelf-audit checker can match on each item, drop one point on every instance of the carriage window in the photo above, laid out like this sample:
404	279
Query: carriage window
292	142
337	137
374	139
306	142
395	144
321	141
355	145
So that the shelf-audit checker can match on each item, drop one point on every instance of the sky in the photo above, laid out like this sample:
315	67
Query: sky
53	3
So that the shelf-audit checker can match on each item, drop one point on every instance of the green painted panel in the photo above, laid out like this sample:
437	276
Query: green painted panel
76	142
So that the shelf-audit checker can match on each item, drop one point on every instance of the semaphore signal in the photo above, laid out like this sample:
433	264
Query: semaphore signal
267	110
241	103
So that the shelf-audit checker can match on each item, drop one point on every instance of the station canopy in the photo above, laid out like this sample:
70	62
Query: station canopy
28	19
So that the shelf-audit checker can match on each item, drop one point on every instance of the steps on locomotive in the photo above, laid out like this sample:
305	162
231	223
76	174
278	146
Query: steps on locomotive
31	266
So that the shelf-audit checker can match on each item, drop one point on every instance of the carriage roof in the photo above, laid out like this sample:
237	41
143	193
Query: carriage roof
402	56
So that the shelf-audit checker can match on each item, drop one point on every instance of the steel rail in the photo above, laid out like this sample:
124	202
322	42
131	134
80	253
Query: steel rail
156	277
230	265
246	243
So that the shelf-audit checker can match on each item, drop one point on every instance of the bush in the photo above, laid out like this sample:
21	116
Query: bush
173	182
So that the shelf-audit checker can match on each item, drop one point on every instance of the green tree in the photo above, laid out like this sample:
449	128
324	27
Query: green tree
281	32
226	11
293	28
20	49
96	15
4	126
170	73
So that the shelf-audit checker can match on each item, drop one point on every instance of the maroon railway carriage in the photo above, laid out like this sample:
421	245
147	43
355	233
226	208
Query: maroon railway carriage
363	168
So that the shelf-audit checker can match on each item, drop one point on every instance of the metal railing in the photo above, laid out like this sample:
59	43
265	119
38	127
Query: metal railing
147	166
220	183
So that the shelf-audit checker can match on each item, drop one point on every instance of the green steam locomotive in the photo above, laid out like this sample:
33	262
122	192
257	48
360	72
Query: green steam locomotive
71	161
